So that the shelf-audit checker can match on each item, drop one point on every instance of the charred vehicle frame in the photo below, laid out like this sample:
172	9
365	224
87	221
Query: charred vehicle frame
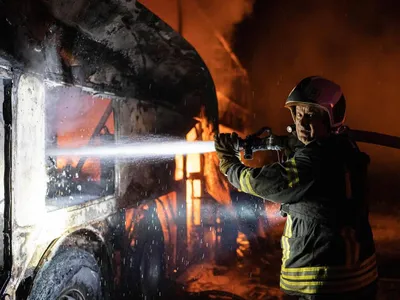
116	53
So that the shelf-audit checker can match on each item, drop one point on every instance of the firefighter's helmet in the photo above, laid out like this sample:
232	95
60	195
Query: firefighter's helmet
323	93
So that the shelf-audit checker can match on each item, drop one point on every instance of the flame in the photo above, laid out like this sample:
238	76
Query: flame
179	172
192	135
193	163
208	25
166	212
193	201
197	190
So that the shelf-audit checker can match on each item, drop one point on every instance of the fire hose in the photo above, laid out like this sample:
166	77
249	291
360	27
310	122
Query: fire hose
256	142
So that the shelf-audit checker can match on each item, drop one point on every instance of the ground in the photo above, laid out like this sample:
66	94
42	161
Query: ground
257	277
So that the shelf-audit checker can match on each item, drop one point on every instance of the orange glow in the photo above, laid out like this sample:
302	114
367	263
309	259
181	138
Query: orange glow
179	173
197	212
90	170
189	193
75	128
193	163
197	192
79	136
193	187
273	215
244	245
208	26
226	129
189	211
191	135
192	160
166	212
128	218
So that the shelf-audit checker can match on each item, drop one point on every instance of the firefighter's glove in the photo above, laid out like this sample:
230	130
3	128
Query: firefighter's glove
227	147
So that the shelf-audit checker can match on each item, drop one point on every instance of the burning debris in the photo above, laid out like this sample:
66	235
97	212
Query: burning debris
244	282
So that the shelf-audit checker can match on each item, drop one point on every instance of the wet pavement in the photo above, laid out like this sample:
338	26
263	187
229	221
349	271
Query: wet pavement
256	275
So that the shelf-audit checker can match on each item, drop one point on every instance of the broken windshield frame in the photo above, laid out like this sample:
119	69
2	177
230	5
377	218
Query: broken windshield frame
5	271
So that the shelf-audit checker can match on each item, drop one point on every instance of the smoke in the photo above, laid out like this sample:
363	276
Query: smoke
352	44
355	44
208	25
224	16
215	21
207	14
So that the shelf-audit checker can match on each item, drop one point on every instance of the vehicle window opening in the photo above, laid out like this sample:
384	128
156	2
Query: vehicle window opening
76	119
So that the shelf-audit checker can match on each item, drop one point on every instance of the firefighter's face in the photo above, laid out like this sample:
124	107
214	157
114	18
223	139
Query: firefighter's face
310	123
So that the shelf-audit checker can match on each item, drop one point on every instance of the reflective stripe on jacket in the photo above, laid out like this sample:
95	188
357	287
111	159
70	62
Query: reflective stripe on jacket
327	244
317	262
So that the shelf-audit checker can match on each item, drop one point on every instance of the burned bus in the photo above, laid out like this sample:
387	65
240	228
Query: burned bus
76	73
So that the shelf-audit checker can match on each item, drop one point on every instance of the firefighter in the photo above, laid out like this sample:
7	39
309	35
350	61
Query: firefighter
328	250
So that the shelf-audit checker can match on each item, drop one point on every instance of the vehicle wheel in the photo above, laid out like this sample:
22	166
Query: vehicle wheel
146	272
73	274
151	269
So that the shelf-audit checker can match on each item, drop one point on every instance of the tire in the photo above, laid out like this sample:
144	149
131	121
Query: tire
151	270
145	275
71	274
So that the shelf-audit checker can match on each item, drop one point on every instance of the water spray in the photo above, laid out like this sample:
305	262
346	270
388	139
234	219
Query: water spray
136	149
164	147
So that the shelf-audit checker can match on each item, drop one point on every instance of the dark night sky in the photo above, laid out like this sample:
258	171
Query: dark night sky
372	18
356	44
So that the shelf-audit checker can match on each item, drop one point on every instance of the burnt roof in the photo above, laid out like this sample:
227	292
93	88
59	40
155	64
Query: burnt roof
115	46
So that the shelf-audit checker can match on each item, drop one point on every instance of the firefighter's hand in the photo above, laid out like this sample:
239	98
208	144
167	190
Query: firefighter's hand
227	147
227	144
